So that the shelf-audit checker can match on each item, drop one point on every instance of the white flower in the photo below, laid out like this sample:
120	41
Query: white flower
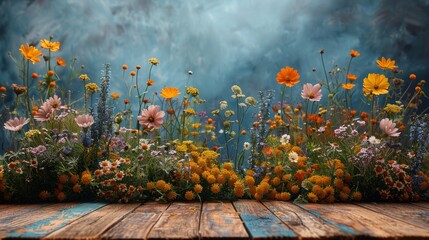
321	130
242	105
246	146
411	154
374	140
293	157
221	131
285	139
223	105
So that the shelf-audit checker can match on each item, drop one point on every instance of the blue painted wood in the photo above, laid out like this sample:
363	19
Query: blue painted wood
43	227
260	222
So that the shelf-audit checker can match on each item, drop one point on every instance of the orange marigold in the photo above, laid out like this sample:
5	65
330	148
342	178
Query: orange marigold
169	92
86	178
288	76
354	53
189	195
30	53
53	46
386	64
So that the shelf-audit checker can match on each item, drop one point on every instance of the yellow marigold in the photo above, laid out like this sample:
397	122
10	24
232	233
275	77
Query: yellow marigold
215	171
250	172
91	87
169	92
386	64
211	179
84	77
318	190
392	108
30	53
288	76
220	179
239	192
160	184
233	179
192	91
171	195
153	61
210	155
189	195
225	173
181	148
329	190
312	197
86	178
375	84
31	133
215	188
47	44
250	181
198	188
348	86
195	178
150	185
115	95
190	112
296	149
339	173
227	165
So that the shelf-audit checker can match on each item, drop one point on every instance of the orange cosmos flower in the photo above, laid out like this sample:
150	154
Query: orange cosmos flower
53	46
31	53
61	62
413	76
169	92
354	53
115	95
351	77
150	82
348	86
375	84
288	76
386	64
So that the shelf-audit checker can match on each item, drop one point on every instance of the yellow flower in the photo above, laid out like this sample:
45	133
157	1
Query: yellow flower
171	195
189	195
190	112
215	188
91	87
53	46
31	53
115	95
386	64
169	92
198	188
84	77
31	133
312	197
348	86
86	178
192	91
153	61
392	108
375	84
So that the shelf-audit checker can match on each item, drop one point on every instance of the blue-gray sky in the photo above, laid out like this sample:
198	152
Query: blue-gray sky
223	42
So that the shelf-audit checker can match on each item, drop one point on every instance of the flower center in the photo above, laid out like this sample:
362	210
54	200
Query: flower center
151	119
375	87
311	96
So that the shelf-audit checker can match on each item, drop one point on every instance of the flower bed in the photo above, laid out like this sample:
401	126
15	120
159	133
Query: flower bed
141	145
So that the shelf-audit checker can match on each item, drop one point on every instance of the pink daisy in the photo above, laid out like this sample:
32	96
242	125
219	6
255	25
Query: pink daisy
16	124
312	93
84	120
388	127
44	113
151	117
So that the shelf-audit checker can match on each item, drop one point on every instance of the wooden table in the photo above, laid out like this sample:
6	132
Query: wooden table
243	219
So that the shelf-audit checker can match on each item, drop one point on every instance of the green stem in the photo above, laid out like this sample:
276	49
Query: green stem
326	75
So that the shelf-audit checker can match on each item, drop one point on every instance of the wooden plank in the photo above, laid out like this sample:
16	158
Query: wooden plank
422	204
8	212
408	213
305	224
179	221
137	224
60	219
94	224
367	223
260	222
15	222
219	220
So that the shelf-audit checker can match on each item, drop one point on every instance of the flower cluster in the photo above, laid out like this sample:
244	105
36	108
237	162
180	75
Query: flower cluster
142	144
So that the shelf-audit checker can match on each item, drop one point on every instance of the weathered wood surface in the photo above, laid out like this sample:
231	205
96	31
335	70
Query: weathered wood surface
94	224
219	220
364	222
179	221
244	219
305	224
137	224
260	222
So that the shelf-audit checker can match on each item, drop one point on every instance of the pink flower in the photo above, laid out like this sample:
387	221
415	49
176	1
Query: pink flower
16	124
388	127
312	93
55	102
84	120
44	113
151	117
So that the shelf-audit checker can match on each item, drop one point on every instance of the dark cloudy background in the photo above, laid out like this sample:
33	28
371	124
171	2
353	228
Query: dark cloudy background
223	42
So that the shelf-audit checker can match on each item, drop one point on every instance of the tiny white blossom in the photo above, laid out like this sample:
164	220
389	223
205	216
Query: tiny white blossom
246	146
285	139
374	140
293	157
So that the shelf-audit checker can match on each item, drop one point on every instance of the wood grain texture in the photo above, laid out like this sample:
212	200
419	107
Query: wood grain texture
219	220
305	224
260	222
179	221
10	211
137	224
364	222
55	222
408	213
422	204
93	225
16	222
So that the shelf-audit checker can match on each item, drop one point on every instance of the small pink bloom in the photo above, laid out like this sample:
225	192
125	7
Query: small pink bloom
151	117
55	102
312	93
84	120
44	113
16	124
388	127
